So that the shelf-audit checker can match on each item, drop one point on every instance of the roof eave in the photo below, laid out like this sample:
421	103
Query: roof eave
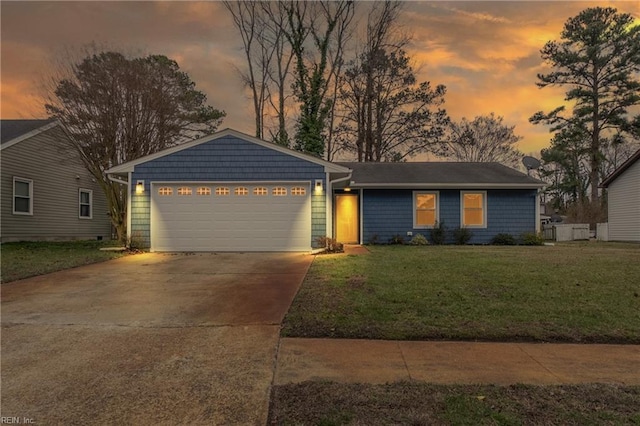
28	135
447	185
620	170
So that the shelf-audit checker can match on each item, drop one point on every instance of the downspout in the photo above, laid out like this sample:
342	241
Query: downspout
538	225
330	200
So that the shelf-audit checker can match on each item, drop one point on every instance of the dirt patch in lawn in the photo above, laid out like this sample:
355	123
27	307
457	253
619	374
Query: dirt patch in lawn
415	403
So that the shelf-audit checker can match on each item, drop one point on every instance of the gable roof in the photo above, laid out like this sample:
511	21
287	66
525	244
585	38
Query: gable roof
438	175
129	166
617	172
14	131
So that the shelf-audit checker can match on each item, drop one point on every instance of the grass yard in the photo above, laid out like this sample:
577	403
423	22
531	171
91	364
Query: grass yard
27	259
577	292
325	403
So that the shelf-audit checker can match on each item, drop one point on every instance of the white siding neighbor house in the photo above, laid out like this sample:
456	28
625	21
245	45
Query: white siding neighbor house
623	187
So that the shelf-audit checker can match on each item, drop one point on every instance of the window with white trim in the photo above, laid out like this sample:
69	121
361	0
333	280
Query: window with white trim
260	191
22	196
185	190
165	190
85	203
203	190
298	190
473	207
279	191
222	191
241	190
425	209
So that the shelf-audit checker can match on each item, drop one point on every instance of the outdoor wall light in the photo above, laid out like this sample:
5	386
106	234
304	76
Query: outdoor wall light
347	189
319	185
140	187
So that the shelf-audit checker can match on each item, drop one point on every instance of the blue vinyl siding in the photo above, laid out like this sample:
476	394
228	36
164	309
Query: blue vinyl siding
225	159
389	212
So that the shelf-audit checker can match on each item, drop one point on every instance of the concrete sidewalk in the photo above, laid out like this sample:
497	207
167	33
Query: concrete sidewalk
377	361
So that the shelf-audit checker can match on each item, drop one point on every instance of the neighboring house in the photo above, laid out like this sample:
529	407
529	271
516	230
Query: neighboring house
233	192
47	194
623	199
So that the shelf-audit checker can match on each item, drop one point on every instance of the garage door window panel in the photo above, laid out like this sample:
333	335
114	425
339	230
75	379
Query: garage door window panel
222	191
203	190
241	191
165	190
185	190
260	191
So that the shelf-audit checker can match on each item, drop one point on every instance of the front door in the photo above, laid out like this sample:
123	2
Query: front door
347	218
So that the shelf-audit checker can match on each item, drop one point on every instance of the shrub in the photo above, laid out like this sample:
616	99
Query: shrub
419	240
136	243
438	233
503	240
374	239
331	245
462	235
396	239
532	239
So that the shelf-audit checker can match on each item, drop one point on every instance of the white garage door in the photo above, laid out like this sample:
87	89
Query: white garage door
219	216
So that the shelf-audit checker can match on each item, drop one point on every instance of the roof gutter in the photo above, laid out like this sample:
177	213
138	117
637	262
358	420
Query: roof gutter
449	185
116	180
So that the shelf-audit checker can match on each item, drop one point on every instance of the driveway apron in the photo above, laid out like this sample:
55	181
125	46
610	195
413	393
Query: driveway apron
148	339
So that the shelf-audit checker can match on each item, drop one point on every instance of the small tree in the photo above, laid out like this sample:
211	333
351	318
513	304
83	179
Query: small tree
117	109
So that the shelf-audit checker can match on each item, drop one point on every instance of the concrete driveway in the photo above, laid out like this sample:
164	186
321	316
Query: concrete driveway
148	339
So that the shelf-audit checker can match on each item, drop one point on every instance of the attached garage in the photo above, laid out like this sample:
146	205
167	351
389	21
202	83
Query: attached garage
229	192
236	216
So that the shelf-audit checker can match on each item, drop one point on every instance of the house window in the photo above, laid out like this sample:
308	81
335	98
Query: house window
222	191
85	204
185	190
165	190
298	190
22	196
241	191
279	191
425	209
203	190
474	209
260	191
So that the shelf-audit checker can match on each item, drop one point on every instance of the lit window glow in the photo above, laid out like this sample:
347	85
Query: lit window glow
298	190
185	190
222	191
473	209
203	190
165	190
260	191
279	191
426	209
241	191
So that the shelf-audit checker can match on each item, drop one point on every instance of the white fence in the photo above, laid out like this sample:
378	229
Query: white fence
602	231
566	232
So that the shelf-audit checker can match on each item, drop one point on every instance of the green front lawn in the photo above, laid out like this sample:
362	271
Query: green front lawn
27	259
578	292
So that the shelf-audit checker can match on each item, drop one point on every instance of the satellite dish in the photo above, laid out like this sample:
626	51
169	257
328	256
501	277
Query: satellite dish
531	163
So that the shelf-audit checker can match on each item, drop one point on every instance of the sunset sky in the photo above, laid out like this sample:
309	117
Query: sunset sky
486	53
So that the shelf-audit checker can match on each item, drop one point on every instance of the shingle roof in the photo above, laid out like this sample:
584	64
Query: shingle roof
617	172
438	174
11	129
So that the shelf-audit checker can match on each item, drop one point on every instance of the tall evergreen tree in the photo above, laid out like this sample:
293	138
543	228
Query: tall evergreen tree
598	61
